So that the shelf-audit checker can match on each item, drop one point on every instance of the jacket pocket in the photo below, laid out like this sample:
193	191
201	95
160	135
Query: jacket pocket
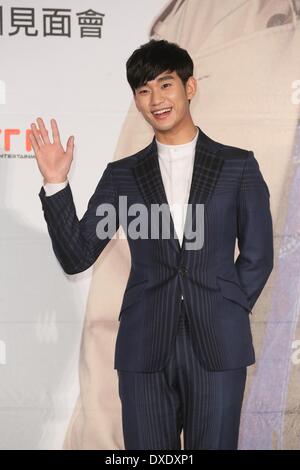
233	291
132	294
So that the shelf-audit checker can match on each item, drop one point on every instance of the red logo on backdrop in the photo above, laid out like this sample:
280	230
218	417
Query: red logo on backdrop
9	138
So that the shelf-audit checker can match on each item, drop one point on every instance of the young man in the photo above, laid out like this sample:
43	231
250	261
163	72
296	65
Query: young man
184	340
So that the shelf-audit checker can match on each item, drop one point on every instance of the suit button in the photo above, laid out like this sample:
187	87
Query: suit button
183	270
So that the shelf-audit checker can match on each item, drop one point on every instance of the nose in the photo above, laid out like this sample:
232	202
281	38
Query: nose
156	97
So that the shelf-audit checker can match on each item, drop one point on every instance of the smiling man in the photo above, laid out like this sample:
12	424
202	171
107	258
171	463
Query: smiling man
164	103
184	340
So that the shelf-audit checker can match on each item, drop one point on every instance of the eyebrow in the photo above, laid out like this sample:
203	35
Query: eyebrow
166	77
160	79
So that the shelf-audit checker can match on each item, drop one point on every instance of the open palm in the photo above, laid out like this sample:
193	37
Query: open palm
53	161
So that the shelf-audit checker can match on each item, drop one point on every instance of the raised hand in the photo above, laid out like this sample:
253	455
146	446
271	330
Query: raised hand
53	161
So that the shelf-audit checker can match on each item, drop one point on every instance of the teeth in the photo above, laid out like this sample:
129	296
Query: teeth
162	111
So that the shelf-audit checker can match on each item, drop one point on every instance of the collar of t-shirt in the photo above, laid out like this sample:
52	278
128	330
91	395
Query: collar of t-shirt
176	152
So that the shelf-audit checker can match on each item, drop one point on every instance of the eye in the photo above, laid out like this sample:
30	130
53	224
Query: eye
142	91
167	84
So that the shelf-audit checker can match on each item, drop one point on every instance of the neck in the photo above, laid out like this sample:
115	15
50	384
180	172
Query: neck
177	135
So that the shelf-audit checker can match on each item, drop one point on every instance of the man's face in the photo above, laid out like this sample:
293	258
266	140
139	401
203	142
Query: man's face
165	92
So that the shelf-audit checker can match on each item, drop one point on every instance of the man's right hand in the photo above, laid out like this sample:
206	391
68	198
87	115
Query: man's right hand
53	161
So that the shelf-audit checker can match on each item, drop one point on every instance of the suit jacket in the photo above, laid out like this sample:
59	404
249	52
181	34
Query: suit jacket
219	292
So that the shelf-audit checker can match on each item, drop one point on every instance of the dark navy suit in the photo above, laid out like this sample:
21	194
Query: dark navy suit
218	293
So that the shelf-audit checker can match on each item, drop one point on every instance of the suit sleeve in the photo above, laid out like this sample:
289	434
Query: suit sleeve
255	231
78	243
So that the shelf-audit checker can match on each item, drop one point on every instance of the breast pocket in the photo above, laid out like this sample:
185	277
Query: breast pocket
233	291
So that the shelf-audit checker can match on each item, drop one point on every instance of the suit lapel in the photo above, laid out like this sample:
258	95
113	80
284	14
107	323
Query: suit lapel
206	171
149	179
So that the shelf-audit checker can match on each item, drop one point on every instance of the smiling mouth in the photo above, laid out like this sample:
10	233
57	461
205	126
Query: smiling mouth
162	113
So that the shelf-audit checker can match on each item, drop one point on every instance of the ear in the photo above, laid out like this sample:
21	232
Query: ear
191	87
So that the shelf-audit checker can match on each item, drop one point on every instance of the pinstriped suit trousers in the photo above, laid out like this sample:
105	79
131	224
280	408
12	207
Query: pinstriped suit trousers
157	406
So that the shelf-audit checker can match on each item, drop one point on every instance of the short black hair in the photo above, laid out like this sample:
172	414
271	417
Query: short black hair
155	57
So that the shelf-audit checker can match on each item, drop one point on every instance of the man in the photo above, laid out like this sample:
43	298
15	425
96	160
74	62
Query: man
184	340
251	48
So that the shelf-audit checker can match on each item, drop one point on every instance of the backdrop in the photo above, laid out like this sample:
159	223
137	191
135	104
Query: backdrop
57	332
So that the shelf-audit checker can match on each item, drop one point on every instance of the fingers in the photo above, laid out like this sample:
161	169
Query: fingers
43	131
70	145
35	137
55	132
33	141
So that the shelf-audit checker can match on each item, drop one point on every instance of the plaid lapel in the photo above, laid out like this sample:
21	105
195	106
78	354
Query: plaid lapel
206	171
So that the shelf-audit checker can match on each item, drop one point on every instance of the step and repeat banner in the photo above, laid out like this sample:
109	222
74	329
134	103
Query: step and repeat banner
66	60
